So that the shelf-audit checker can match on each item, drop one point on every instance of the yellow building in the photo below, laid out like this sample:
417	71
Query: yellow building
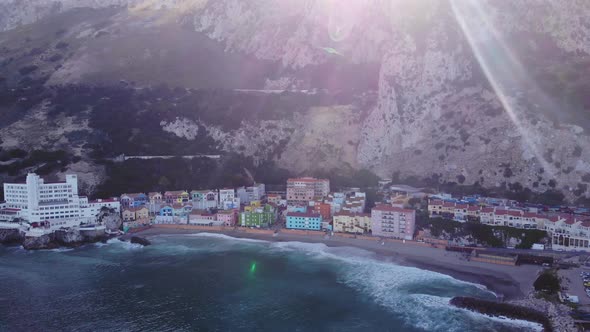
352	223
142	213
128	214
435	207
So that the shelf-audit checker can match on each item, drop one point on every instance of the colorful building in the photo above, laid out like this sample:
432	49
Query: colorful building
176	196
323	209
308	221
228	217
166	211
155	198
352	223
142	213
204	199
258	217
137	199
128	214
274	198
181	210
394	222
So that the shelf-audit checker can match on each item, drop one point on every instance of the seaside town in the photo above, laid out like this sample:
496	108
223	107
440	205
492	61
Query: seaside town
307	206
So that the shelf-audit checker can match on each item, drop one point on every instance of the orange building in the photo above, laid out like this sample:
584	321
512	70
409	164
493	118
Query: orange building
324	209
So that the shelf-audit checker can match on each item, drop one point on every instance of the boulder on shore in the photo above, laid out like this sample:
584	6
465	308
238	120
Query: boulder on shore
46	241
11	236
140	240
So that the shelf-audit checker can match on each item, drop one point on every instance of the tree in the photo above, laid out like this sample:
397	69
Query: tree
547	282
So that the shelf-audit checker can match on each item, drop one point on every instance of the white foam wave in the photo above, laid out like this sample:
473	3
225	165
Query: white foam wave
524	324
120	244
401	289
225	237
61	249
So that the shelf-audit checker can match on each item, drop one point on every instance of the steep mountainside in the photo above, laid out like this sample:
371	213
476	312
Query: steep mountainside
482	92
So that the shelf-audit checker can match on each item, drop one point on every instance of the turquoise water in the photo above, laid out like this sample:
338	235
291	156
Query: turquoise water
215	283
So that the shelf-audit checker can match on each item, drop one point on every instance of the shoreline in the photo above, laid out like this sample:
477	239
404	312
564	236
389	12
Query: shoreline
507	282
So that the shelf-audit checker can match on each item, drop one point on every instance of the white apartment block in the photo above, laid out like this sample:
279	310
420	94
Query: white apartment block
228	199
54	204
252	193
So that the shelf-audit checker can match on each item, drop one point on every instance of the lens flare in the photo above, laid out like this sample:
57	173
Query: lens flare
501	67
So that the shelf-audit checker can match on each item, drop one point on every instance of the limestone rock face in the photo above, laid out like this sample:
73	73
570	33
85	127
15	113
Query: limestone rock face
468	92
181	128
111	220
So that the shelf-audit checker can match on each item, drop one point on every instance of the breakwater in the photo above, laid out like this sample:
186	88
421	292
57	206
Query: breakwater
498	309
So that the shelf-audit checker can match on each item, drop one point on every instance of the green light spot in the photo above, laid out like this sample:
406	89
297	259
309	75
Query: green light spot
253	267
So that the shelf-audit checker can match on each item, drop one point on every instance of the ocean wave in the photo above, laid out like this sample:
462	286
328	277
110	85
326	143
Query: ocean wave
61	249
523	324
115	242
419	297
225	237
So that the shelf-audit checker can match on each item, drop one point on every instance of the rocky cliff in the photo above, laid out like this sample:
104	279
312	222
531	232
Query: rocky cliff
470	92
63	238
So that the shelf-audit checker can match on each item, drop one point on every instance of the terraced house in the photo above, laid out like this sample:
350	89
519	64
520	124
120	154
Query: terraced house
133	200
176	196
204	199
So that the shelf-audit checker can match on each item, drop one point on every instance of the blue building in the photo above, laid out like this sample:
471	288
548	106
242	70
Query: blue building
167	211
134	200
299	220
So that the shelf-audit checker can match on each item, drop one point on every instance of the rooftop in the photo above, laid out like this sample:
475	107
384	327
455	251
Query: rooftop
389	208
348	214
303	214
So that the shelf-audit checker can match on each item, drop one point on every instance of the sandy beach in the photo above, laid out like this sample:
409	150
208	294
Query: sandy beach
508	282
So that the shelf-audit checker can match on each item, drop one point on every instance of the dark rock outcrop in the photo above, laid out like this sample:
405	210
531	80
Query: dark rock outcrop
111	219
496	309
63	238
40	242
11	236
140	240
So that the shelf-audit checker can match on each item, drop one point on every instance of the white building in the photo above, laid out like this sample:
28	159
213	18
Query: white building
252	193
91	209
53	204
228	199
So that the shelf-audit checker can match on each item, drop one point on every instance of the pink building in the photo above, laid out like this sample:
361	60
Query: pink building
394	222
228	217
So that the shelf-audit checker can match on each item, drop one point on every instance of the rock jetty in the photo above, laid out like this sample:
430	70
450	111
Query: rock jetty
497	309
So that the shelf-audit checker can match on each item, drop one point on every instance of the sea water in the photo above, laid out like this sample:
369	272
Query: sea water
208	282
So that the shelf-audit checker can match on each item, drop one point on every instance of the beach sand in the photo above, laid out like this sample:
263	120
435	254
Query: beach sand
508	282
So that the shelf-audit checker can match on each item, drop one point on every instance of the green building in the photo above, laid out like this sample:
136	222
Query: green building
258	217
